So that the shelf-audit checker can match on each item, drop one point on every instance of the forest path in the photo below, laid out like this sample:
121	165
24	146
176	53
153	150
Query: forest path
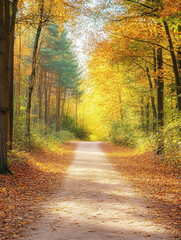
94	203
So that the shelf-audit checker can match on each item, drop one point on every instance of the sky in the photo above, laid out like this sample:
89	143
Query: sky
84	34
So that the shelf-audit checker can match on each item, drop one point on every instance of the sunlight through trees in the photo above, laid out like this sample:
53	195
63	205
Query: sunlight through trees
103	70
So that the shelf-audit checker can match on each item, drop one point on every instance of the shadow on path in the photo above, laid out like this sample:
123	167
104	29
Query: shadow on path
95	203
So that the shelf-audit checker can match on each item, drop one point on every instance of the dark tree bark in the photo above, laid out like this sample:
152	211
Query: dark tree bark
11	70
58	98
32	76
76	109
11	76
46	96
63	105
160	102
152	100
147	117
179	53
175	67
49	96
19	77
4	83
142	113
67	112
40	90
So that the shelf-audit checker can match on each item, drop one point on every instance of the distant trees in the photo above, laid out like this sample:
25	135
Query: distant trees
57	59
143	44
34	65
19	73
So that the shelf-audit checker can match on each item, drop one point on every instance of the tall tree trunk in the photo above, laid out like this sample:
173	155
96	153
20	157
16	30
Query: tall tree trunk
7	65
19	75
179	53
58	98
76	109
142	113
66	121
46	96
49	96
40	93
152	100
154	66
32	76
11	76
160	102
147	117
175	67
11	70
4	83
63	105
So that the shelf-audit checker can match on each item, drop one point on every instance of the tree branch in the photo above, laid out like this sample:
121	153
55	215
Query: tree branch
142	4
141	40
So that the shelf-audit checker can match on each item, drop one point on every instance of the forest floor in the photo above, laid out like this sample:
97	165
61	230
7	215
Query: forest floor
158	180
131	196
36	175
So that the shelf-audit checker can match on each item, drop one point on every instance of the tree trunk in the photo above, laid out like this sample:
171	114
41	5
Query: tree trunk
179	53
4	83
147	117
152	100
160	102
49	96
11	70
19	76
66	121
11	78
175	67
58	98
46	96
142	113
63	104
40	90
32	76
154	66
76	109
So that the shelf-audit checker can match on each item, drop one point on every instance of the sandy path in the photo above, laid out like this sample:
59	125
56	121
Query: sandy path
94	203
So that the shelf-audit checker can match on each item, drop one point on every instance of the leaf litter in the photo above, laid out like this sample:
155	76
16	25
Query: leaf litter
36	175
155	179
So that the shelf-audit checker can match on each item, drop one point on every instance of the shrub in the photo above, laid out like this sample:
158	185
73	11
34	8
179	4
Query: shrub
145	142
172	140
41	136
122	134
80	132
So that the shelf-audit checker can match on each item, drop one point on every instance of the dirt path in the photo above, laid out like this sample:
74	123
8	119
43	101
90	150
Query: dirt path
94	203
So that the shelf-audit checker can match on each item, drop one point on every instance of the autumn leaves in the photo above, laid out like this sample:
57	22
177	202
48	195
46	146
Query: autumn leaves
134	71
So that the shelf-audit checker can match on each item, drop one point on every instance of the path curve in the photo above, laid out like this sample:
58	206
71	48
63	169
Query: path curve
94	203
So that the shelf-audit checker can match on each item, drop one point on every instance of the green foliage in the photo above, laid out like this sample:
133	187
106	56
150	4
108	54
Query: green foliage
146	142
172	137
122	134
20	141
169	138
51	139
80	132
41	136
57	56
